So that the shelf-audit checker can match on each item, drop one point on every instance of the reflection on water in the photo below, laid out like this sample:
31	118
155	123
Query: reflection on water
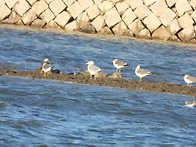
41	112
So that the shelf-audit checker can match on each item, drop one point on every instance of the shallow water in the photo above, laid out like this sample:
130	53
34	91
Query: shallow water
42	112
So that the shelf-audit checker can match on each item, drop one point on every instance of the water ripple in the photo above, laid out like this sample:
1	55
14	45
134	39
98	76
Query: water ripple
43	113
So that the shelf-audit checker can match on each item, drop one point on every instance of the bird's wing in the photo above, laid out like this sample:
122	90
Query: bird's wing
120	63
143	71
191	78
47	66
94	68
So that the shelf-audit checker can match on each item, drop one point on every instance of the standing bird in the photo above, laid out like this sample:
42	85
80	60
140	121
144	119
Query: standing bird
119	64
141	72
190	104
46	60
93	69
46	67
189	79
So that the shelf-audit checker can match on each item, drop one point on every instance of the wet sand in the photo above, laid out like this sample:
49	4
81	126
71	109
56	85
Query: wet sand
109	82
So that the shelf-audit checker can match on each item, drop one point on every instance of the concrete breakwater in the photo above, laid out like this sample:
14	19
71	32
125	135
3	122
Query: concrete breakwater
172	20
105	81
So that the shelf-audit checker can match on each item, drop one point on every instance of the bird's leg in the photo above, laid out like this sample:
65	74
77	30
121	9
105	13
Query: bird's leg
117	70
140	79
49	73
42	71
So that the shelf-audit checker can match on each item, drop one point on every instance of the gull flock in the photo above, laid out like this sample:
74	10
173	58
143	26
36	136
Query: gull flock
94	70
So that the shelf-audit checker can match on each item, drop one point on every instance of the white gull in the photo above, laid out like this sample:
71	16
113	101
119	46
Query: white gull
119	64
141	72
190	104
93	69
46	67
189	79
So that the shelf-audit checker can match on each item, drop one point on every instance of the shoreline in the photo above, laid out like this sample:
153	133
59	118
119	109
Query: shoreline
108	82
163	20
98	35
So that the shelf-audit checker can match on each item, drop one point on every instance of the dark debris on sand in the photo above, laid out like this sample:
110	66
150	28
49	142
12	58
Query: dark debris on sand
107	81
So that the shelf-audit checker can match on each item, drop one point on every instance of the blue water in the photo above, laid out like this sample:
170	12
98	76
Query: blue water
38	112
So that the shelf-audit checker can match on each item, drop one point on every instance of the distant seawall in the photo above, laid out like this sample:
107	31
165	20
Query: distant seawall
172	20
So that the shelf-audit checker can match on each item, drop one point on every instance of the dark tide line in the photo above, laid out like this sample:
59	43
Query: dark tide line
108	82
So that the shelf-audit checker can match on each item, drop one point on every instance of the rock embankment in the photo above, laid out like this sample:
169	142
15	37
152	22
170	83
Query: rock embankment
152	19
105	81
